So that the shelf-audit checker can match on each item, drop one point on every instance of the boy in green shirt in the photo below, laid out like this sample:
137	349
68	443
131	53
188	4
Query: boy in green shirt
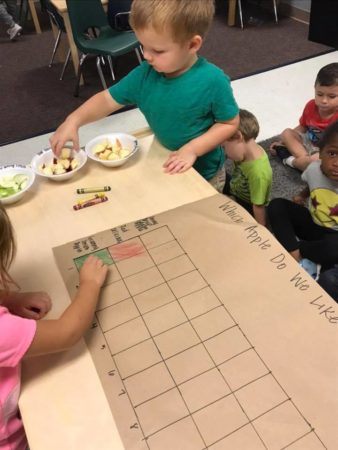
187	101
251	178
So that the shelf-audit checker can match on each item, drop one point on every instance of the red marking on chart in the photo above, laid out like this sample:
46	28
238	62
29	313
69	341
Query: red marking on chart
126	250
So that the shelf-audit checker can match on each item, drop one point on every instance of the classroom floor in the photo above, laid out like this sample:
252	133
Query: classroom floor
276	97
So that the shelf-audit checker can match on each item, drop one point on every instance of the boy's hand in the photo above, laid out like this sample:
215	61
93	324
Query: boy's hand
299	199
67	131
180	161
31	305
93	271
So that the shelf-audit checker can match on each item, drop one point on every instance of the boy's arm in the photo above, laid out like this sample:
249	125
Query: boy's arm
57	335
185	157
97	107
300	129
259	214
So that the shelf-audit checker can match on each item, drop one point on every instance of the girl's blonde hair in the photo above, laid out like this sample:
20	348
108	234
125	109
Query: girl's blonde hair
182	18
7	248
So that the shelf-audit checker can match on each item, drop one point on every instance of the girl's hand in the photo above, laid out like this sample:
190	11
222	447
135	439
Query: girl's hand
31	305
180	161
93	271
67	132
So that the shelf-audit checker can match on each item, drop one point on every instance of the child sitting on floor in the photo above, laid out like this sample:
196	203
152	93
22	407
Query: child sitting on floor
187	101
311	235
251	178
21	335
299	146
8	13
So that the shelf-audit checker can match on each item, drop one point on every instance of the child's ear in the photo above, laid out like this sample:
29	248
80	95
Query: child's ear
195	43
238	135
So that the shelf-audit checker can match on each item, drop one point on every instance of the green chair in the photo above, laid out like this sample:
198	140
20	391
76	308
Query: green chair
93	36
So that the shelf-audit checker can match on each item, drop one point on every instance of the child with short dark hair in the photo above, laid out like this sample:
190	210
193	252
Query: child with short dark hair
310	234
299	146
187	101
251	178
21	335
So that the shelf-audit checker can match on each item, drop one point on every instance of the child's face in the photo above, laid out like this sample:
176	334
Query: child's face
329	157
165	55
233	147
326	99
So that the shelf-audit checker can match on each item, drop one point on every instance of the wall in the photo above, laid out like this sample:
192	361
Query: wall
298	9
304	5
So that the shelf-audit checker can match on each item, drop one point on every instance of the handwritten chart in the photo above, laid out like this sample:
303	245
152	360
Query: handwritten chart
208	336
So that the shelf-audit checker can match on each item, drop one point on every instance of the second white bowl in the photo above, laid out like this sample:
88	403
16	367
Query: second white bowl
128	141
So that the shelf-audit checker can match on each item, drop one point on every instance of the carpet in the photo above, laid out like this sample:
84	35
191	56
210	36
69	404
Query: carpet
34	101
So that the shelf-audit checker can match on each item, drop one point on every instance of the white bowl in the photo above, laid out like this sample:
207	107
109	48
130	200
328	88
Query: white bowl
46	157
126	140
16	169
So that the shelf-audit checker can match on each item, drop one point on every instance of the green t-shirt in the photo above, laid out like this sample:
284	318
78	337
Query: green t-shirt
182	108
251	180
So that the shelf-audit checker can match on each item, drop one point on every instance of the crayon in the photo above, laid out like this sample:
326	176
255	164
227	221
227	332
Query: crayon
87	199
94	201
91	190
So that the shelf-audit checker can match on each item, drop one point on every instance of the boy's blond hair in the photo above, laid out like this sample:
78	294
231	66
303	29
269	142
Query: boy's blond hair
248	125
182	18
7	248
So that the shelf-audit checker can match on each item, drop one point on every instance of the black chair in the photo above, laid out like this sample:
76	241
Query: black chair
240	10
57	20
118	14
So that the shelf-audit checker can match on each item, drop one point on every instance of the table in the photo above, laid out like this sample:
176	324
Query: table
231	12
61	7
54	405
62	394
31	4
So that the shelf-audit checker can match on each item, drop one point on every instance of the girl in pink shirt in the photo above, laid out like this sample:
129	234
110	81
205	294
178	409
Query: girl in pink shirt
21	334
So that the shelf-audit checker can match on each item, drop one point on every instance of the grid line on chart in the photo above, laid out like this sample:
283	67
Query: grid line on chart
171	423
201	341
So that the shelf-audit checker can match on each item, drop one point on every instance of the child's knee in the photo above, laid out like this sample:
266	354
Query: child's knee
289	133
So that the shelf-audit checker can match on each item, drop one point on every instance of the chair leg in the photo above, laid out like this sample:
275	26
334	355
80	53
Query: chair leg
240	13
138	55
65	65
275	10
55	48
79	70
99	69
110	62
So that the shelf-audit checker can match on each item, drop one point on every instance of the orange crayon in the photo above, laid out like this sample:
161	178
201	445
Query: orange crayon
88	199
92	202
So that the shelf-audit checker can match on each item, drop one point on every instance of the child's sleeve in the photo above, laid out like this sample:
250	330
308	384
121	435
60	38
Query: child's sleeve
127	90
224	105
16	335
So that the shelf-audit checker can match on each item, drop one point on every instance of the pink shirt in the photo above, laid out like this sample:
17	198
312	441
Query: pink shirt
16	335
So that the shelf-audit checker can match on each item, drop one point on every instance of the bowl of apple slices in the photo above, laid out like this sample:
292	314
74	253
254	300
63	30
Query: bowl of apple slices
60	168
113	149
